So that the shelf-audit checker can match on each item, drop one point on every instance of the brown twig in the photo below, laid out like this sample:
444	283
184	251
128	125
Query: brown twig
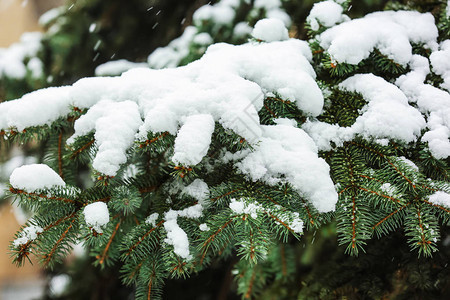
105	251
85	146
49	256
143	237
22	192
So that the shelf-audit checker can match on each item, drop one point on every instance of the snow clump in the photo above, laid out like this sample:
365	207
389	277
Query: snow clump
96	215
391	32
270	30
31	178
326	13
440	198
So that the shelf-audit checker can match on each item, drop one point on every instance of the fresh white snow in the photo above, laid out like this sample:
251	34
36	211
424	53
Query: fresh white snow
431	101
270	30
120	118
386	115
152	219
288	154
252	209
42	108
204	227
96	215
440	198
325	13
51	15
193	139
390	32
226	85
117	67
177	237
27	234
31	178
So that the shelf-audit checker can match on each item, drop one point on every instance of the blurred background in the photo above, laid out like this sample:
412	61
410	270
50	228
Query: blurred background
17	17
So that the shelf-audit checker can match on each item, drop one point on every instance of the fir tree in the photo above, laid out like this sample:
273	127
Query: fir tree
240	153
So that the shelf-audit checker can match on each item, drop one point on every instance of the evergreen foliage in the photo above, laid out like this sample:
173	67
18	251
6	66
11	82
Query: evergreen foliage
385	187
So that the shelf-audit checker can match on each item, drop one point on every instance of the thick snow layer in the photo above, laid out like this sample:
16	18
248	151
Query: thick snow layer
12	59
286	153
270	30
390	32
115	124
35	177
42	108
440	198
227	86
96	215
440	61
433	102
326	13
18	159
176	236
386	115
222	91
6	170
29	233
117	67
193	139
